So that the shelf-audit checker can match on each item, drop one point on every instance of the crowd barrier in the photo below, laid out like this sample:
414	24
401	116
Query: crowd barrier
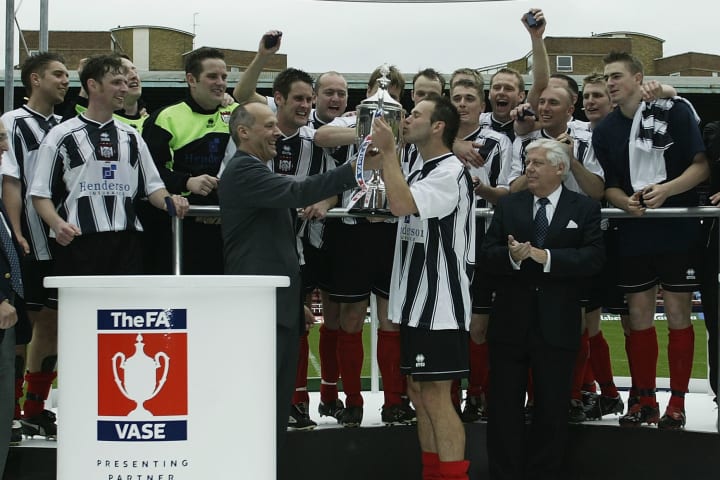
213	210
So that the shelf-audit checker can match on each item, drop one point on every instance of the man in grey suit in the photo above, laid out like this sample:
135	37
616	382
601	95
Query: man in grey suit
542	244
258	211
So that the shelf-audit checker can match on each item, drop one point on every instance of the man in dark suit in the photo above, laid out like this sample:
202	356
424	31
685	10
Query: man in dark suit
14	325
542	244
258	211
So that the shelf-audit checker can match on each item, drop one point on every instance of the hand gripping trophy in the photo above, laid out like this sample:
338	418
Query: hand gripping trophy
369	198
140	382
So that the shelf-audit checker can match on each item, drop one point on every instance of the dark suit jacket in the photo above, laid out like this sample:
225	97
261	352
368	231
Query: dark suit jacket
22	327
529	298
257	211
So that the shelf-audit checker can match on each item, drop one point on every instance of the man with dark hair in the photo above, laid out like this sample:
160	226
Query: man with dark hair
188	141
658	164
258	222
432	269
46	80
90	172
427	81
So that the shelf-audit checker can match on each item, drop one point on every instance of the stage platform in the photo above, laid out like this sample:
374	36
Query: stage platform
597	450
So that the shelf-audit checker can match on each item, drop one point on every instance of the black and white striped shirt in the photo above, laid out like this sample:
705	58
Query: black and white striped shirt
497	151
435	249
582	148
94	173
26	130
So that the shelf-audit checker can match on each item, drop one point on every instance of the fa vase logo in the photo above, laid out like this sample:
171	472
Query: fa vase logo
139	381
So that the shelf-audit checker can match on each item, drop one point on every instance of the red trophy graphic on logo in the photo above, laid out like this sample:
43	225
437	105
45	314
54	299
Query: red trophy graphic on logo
140	377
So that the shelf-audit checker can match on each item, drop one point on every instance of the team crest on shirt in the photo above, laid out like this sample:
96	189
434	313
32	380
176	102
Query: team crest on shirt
106	151
690	274
419	360
284	161
225	116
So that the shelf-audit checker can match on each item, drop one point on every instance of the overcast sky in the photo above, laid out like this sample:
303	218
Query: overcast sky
356	37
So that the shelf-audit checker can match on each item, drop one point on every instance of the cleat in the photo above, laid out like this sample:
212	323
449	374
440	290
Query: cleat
42	425
331	409
402	414
674	419
16	434
351	417
639	414
576	412
589	399
474	410
299	418
605	406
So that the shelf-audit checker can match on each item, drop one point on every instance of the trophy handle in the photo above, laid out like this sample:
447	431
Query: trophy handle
160	384
119	384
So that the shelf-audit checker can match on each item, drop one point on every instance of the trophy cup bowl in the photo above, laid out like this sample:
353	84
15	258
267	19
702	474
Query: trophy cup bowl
371	200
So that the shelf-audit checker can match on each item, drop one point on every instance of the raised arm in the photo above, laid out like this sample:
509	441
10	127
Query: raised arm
244	91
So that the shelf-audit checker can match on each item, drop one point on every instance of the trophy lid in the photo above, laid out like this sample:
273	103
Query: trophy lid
386	98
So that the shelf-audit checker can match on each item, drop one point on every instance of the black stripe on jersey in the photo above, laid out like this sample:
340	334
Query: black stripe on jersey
413	283
72	150
130	216
134	150
491	146
31	141
523	153
432	257
86	217
109	203
582	149
446	227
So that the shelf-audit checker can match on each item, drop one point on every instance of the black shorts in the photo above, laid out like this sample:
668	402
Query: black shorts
434	355
105	253
675	272
315	270
33	273
361	258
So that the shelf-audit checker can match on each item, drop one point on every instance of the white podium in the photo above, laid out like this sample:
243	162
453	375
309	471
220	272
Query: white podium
158	377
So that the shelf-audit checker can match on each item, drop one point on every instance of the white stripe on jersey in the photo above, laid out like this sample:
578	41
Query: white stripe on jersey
582	149
498	153
26	130
94	172
435	250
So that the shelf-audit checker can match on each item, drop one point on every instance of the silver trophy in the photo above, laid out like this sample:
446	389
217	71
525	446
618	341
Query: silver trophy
369	198
140	382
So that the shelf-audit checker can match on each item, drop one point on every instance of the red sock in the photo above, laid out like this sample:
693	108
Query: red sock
600	362
18	395
350	360
430	466
579	371
301	392
38	389
589	378
478	369
643	354
388	357
681	348
454	470
328	364
633	390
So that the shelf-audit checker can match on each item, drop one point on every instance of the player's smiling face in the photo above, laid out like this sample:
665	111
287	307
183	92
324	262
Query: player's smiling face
596	101
505	95
294	111
209	89
468	103
331	97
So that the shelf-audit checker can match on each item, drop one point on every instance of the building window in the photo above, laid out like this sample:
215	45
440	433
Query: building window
564	64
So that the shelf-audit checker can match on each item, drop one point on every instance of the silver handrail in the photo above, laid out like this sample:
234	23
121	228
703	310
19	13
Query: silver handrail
670	212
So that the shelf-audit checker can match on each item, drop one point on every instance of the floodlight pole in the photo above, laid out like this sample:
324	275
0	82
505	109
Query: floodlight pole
43	44
9	54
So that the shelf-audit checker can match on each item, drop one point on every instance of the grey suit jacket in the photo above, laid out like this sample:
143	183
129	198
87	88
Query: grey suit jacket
258	222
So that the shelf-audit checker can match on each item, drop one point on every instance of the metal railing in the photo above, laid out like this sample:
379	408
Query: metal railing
210	211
